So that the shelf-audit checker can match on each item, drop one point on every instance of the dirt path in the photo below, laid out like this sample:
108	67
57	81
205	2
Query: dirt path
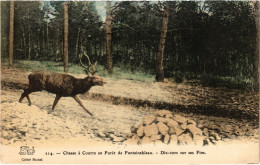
118	106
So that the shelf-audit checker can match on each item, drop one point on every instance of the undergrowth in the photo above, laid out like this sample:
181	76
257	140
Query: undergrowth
119	72
138	75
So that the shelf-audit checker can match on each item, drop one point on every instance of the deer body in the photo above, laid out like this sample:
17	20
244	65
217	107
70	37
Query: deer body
62	85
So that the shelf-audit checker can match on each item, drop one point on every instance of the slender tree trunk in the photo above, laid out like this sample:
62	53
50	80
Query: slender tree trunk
29	35
11	34
77	43
24	42
47	34
38	44
257	52
108	38
159	60
57	46
66	31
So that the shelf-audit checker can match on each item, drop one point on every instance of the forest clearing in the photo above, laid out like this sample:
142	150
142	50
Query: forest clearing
118	106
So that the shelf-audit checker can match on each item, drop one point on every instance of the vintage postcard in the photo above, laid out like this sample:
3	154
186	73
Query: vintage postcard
130	82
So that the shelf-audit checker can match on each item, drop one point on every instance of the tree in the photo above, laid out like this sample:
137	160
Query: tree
257	52
159	60
11	34
108	38
66	32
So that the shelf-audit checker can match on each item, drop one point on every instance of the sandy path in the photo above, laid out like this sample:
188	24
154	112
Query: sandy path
68	120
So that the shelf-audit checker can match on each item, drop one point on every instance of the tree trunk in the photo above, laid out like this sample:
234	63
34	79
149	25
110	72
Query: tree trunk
159	60
56	46
11	34
257	63
77	44
66	31
47	34
29	35
257	53
108	38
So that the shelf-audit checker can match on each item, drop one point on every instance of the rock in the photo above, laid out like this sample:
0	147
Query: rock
37	138
151	130
215	135
148	119
183	126
4	134
4	141
184	139
199	140
158	142
101	134
146	140
200	125
191	122
172	123
173	140
166	139
116	139
133	141
179	119
178	131
169	116
156	137
206	131
133	129
195	131
228	128
161	119
162	113
212	140
163	129
140	131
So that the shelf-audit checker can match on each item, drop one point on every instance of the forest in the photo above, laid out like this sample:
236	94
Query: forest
214	42
131	73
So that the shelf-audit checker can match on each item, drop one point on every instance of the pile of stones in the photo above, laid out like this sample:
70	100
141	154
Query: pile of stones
164	127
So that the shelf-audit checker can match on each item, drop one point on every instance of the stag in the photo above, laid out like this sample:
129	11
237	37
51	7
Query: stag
63	85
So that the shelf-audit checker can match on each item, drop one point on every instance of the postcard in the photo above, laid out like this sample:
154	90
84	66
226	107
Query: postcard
130	82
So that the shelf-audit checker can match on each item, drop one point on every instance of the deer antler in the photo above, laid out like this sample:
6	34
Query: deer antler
87	67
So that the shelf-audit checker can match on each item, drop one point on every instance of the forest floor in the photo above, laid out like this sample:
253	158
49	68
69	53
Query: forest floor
116	107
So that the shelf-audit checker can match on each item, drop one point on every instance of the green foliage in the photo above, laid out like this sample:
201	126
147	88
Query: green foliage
213	41
228	82
121	73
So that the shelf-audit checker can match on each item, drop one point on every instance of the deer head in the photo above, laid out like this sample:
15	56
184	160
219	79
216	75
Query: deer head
96	80
90	68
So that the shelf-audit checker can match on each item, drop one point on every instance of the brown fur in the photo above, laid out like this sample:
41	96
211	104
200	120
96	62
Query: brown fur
63	85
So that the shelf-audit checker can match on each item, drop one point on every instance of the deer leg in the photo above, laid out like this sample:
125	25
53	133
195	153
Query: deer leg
21	98
80	103
57	98
28	98
25	94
